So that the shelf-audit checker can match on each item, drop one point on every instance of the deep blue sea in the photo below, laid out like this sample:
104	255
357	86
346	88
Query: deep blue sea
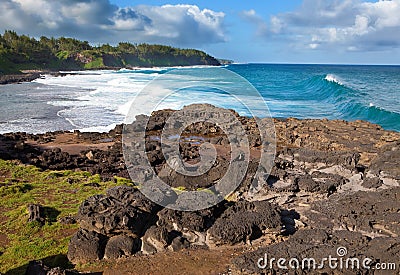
98	100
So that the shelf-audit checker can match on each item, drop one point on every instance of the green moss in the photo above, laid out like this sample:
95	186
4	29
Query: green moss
95	64
60	192
179	189
205	190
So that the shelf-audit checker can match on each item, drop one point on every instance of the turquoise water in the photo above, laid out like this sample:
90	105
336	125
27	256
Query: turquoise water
369	93
98	100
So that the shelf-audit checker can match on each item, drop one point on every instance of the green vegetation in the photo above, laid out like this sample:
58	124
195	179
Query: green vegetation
21	52
60	192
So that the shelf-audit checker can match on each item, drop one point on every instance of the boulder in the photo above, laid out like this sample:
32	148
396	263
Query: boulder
121	245
39	268
86	246
245	221
110	216
156	239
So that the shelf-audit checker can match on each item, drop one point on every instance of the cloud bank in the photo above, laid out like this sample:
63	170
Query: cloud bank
346	25
99	21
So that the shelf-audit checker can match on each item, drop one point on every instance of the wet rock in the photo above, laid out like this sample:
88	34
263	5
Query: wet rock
121	245
17	78
245	221
86	246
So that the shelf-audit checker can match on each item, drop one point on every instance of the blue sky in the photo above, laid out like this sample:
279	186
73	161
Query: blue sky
294	31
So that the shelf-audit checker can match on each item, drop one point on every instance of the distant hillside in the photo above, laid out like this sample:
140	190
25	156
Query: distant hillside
225	61
21	52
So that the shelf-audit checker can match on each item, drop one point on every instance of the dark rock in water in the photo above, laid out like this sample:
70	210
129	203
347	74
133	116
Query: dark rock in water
121	245
245	221
36	213
86	246
17	78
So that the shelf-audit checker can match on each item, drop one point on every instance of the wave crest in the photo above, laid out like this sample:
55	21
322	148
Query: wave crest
333	78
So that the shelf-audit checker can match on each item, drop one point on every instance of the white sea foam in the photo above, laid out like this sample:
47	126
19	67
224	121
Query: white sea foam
333	78
99	129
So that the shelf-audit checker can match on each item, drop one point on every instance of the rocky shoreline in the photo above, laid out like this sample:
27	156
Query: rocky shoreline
333	184
18	78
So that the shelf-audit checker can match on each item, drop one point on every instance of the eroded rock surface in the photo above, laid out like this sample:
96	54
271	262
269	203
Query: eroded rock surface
309	247
332	183
246	221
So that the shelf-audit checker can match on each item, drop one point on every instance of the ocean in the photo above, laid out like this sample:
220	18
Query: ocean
98	100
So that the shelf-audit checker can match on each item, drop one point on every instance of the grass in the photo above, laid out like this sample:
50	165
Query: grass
63	55
61	192
96	63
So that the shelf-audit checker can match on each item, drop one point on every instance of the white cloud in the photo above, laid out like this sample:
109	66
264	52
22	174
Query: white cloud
252	17
99	21
346	25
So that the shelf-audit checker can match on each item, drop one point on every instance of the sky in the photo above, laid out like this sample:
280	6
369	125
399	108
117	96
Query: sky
262	31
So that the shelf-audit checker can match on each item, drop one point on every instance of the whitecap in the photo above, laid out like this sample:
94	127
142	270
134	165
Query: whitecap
333	78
